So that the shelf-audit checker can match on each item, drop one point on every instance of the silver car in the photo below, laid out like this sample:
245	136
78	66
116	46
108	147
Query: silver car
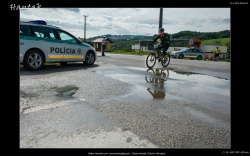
188	53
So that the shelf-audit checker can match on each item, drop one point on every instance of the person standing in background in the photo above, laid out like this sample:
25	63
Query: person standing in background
103	45
216	53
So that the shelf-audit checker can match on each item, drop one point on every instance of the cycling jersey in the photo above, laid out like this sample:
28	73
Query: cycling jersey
217	51
165	39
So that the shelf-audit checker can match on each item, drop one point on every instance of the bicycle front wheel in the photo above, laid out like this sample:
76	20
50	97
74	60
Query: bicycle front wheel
166	60
150	61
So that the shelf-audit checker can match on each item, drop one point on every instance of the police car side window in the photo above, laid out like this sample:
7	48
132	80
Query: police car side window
25	30
66	37
42	32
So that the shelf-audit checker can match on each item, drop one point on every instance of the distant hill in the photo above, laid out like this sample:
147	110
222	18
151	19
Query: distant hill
179	35
201	35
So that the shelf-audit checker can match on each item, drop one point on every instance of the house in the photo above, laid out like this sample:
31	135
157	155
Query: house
97	44
86	41
142	46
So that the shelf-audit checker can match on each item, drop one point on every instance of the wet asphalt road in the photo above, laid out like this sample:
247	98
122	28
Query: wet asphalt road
119	103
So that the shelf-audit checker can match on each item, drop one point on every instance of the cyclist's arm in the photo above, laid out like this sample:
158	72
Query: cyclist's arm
155	39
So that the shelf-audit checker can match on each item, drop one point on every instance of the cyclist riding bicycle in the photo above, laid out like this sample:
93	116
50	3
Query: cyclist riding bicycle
164	41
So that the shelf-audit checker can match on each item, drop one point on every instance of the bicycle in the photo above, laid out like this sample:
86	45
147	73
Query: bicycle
157	54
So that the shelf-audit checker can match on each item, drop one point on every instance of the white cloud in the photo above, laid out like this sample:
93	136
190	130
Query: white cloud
131	21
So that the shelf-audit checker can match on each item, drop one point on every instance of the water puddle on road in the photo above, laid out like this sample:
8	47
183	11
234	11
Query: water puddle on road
66	90
160	83
193	73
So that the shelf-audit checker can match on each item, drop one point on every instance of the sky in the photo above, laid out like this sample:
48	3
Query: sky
130	21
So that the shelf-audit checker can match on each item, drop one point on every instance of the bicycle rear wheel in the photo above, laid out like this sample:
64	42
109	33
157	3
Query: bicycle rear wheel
165	60
150	61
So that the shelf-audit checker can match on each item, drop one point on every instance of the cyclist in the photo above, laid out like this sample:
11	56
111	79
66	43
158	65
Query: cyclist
164	41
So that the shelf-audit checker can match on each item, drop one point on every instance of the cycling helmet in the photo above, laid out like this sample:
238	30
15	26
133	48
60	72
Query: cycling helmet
161	30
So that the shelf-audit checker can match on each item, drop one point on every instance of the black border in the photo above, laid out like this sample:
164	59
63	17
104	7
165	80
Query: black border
239	29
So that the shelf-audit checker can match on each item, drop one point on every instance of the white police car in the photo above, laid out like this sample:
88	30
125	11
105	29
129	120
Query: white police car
188	53
40	43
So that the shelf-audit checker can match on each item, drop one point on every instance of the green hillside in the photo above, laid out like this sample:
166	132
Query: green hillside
219	41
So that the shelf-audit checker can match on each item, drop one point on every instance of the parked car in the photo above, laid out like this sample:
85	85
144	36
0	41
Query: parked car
40	43
188	53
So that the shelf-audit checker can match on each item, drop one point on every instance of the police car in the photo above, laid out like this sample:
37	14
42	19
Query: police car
188	53
40	43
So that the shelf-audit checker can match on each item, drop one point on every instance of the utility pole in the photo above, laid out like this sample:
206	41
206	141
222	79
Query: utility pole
160	18
85	27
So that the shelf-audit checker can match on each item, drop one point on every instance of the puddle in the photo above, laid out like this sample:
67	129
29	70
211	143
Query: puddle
67	90
186	72
149	85
159	83
193	73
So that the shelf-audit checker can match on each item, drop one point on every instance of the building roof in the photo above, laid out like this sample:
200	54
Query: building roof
99	40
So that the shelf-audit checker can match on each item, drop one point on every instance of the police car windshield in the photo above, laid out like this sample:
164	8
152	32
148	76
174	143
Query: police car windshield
183	49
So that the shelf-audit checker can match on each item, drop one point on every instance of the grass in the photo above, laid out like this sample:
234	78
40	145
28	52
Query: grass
222	41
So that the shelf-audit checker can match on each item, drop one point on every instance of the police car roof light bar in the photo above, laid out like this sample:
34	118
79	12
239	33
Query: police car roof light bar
39	22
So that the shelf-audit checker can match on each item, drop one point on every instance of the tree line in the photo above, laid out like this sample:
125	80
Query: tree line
201	35
126	44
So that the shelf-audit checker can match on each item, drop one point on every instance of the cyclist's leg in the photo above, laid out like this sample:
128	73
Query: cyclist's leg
165	50
159	47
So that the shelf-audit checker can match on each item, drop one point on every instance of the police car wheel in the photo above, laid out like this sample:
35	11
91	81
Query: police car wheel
90	58
199	57
181	56
33	60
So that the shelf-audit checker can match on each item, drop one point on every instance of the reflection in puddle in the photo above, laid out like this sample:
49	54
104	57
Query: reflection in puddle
186	72
193	73
67	90
157	77
159	95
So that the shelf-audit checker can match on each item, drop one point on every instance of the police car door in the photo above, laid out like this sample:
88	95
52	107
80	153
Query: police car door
191	53
71	47
49	43
187	53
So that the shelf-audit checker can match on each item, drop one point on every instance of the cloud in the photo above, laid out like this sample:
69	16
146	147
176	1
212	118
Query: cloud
131	21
